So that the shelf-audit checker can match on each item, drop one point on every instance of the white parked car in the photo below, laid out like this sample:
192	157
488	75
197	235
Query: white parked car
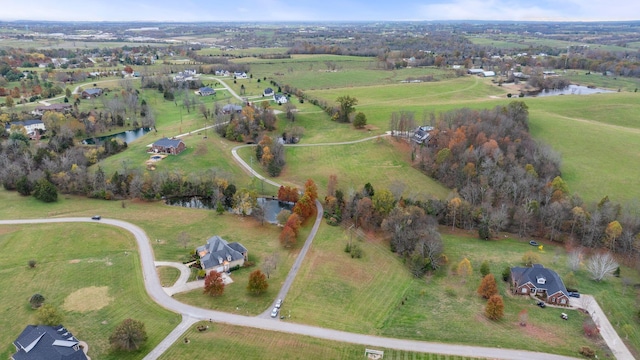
274	312
278	303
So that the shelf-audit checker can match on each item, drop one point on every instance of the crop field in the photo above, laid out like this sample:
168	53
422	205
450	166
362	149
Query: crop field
244	343
525	43
73	261
248	52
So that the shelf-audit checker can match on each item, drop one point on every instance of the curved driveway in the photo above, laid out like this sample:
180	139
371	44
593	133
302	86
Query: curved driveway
191	313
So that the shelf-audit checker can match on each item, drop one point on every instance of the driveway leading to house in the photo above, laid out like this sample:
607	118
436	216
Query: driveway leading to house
609	334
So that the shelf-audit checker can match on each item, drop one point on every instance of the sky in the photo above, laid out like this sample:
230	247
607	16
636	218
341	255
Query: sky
314	10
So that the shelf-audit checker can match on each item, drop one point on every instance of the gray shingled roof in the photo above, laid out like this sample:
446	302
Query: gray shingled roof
167	143
552	284
218	250
40	342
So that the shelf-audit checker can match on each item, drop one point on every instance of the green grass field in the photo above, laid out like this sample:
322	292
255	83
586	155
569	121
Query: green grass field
245	343
73	259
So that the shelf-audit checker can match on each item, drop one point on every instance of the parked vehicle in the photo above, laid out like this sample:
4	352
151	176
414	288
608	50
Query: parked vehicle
564	316
96	217
542	304
274	312
278	303
574	294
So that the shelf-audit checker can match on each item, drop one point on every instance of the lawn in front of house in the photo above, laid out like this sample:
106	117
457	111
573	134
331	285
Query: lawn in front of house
246	343
91	272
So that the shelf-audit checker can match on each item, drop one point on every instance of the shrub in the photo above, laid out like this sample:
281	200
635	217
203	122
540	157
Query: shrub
529	258
36	301
587	351
32	263
506	272
484	268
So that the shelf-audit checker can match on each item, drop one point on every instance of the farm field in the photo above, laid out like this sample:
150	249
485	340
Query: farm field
245	343
90	272
513	41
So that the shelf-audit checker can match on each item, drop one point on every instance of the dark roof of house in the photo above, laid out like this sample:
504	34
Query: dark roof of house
40	342
422	133
217	250
552	282
231	107
268	91
93	91
206	89
167	143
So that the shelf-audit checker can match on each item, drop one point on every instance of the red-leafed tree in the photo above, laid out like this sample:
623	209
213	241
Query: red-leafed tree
257	283
288	193
294	222
304	207
213	284
288	237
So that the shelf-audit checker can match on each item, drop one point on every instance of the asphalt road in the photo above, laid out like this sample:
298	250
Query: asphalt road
191	313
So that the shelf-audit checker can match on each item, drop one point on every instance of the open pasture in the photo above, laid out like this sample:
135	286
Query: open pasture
76	259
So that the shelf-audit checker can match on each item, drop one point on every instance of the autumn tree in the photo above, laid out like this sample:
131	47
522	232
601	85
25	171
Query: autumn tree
495	307
304	207
288	194
347	106
128	336
332	185
49	315
383	202
288	237
214	284
311	189
488	286
613	232
8	102
294	221
464	268
523	317
257	283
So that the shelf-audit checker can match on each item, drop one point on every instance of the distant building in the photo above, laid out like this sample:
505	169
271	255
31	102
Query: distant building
91	93
422	134
219	255
280	99
168	146
488	73
206	91
267	92
41	109
230	109
33	128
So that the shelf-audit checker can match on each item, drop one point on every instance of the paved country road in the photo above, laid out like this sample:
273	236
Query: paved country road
191	313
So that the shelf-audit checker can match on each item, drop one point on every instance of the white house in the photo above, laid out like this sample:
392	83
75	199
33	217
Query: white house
240	75
280	99
32	127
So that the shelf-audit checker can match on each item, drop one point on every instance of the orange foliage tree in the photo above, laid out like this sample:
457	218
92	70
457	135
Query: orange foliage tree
488	286
213	284
495	308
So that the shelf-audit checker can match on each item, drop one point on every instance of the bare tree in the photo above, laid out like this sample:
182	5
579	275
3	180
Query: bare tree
601	265
574	258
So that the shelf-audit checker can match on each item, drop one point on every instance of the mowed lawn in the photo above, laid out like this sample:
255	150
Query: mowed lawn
377	295
246	343
379	162
98	265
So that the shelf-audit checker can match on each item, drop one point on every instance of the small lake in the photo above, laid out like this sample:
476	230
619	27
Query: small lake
571	90
272	207
127	136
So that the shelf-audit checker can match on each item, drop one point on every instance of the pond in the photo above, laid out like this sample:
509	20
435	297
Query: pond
571	90
127	136
272	207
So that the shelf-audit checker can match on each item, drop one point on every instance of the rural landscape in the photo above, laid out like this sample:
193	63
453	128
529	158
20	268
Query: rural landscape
341	190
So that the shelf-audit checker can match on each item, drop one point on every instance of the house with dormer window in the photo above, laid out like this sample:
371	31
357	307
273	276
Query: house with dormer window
540	282
221	256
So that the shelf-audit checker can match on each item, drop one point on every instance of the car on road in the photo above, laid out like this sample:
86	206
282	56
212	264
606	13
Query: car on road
278	303
541	304
574	294
274	312
96	217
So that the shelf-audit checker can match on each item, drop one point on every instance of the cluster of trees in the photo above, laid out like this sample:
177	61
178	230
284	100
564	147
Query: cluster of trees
248	125
304	208
504	181
270	154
